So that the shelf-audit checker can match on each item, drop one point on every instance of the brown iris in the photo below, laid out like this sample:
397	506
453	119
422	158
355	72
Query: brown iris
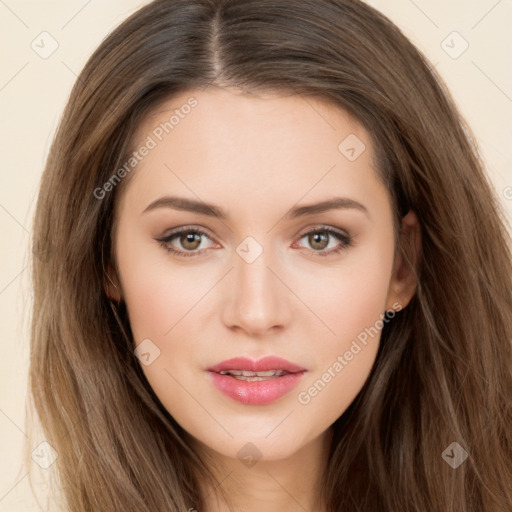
318	238
190	238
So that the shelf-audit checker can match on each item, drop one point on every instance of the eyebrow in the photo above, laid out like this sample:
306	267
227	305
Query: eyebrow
191	205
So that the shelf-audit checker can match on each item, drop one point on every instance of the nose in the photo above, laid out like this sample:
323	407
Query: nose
257	300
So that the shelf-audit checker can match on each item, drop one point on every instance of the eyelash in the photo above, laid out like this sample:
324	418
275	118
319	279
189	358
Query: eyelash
346	241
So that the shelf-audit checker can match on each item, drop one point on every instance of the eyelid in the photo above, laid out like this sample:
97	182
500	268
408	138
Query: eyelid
183	229
324	227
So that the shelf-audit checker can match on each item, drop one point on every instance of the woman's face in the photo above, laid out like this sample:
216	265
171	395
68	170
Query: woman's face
260	273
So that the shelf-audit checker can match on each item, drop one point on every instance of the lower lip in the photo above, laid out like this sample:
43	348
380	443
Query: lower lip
260	392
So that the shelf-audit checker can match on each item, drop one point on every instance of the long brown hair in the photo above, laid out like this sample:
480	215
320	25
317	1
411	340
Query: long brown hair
443	373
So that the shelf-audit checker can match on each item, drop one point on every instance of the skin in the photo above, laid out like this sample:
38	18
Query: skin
257	157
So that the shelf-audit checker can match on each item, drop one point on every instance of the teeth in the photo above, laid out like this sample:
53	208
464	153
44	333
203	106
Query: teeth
245	373
254	379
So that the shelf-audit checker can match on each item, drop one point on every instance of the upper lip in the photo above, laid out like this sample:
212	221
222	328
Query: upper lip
261	365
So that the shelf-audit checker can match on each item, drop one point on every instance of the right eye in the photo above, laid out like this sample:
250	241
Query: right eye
188	237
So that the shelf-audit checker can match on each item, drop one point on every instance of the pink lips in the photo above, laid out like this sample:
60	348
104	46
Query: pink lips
256	392
262	365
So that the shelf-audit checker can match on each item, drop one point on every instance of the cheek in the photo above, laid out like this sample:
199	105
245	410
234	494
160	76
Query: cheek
162	304
353	309
351	297
342	362
159	297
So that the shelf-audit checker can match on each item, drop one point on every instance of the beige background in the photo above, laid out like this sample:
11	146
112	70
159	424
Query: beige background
33	91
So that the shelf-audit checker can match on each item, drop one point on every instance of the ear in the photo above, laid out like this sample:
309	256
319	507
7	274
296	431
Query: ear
111	284
404	281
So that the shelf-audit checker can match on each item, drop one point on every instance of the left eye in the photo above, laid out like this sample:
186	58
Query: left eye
319	239
190	241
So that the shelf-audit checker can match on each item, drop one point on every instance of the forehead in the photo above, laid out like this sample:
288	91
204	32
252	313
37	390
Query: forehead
220	140
232	117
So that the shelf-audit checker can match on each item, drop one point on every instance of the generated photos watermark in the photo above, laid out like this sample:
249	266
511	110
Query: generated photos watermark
304	397
157	135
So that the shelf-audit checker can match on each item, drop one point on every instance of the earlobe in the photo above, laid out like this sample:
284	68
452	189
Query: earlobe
404	279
